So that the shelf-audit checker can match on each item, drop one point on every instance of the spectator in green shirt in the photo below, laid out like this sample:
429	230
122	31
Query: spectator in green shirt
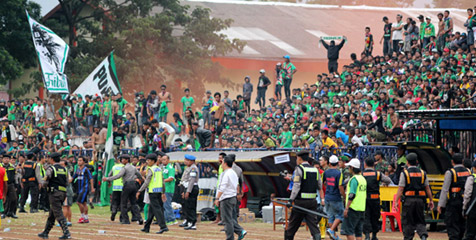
121	102
187	101
429	31
286	137
268	141
169	182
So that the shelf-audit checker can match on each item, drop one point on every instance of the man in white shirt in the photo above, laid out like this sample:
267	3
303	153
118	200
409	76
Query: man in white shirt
169	131
39	111
397	32
226	200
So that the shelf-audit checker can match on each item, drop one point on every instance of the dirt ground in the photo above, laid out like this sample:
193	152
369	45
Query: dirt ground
27	226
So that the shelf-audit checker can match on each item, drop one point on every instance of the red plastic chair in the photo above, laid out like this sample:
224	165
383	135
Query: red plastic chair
391	216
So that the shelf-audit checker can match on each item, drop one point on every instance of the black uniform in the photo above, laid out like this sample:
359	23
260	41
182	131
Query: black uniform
306	184
413	218
30	186
43	193
11	199
454	220
372	205
140	200
470	233
57	177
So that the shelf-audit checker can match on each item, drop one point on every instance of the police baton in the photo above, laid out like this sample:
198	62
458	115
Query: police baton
470	207
301	209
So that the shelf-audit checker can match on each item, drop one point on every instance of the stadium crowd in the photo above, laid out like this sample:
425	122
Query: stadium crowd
422	67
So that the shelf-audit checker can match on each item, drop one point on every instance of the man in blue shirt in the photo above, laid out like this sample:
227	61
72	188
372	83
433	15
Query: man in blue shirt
342	139
332	178
83	178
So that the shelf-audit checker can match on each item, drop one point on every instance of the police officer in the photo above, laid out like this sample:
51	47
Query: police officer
56	179
401	161
117	186
29	184
414	187
470	199
141	166
154	184
40	172
128	174
11	198
451	197
304	192
372	205
189	185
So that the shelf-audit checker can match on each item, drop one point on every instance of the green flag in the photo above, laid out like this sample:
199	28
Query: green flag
105	189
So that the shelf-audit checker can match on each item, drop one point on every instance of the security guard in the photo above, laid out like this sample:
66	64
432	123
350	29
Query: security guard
40	172
56	179
189	185
154	184
29	184
414	187
128	174
451	197
304	192
117	186
141	166
355	201
11	198
470	199
401	161
372	205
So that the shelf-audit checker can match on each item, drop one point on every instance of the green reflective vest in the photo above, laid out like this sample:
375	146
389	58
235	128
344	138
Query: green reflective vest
358	204
42	170
156	183
117	184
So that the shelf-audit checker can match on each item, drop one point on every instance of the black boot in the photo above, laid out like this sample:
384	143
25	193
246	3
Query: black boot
64	227
22	210
317	237
113	216
48	227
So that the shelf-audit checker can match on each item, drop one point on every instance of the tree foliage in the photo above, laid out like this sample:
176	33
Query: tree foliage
158	41
16	46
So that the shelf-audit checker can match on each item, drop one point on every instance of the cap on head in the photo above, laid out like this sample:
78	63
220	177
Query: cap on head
287	57
303	153
354	162
190	157
125	156
344	158
334	159
261	71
